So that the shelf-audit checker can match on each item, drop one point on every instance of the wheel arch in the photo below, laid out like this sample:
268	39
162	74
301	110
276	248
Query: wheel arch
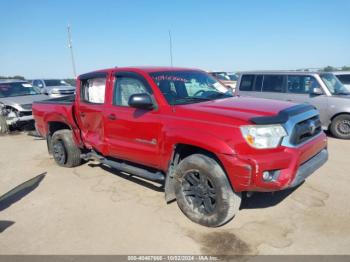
332	127
181	151
338	114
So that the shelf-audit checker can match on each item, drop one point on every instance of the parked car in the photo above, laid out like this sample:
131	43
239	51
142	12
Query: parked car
322	90
228	79
344	78
182	128
16	98
233	76
54	87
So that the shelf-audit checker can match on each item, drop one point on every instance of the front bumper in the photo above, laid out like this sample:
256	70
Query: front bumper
293	165
309	167
15	120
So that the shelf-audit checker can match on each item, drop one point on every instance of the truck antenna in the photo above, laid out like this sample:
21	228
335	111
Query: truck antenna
70	46
171	48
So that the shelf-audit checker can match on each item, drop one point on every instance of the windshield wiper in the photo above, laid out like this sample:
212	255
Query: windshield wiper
191	99
342	93
221	95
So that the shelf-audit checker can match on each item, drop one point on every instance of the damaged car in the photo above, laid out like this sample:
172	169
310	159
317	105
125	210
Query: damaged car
16	98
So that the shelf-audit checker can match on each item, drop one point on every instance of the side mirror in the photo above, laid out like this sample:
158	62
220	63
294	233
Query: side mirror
141	101
316	91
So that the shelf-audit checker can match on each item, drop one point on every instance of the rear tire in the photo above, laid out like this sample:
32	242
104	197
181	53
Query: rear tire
340	127
203	192
64	150
4	128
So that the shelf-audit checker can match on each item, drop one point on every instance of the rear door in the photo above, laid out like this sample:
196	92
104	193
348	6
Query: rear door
132	134
274	87
90	109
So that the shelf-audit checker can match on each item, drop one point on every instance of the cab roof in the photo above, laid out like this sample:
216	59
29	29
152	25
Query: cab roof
146	69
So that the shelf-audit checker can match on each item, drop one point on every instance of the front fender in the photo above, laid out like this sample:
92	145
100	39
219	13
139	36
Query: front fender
198	138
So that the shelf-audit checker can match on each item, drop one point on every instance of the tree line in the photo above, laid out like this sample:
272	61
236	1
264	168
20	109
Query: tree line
72	81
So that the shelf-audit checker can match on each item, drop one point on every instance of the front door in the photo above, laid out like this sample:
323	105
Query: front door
299	91
132	134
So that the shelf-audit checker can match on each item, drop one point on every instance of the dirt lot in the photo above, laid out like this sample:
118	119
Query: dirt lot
90	210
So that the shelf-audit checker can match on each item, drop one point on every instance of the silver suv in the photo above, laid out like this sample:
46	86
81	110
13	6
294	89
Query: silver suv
54	87
322	90
16	99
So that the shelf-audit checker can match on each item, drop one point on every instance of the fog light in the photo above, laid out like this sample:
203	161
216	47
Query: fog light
267	176
271	175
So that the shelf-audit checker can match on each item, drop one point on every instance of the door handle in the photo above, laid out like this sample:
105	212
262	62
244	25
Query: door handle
112	117
82	114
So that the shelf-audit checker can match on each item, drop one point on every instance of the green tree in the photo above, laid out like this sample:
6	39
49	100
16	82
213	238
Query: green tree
329	69
345	68
12	77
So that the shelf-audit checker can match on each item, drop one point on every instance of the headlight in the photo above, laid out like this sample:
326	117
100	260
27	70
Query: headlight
55	91
260	137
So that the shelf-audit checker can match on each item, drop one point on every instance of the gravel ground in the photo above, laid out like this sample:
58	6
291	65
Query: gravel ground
91	210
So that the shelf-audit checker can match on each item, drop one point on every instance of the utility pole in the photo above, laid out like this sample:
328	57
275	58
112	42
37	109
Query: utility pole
70	46
171	48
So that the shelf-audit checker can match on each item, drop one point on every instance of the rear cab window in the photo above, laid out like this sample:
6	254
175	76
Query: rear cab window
93	90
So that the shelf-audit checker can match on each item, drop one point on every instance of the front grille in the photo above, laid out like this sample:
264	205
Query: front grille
25	113
305	130
27	106
66	92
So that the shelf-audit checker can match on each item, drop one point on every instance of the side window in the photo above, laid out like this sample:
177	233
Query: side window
345	79
301	84
247	83
125	87
93	90
258	83
273	83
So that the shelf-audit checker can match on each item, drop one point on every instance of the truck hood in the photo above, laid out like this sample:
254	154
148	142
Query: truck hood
16	101
240	108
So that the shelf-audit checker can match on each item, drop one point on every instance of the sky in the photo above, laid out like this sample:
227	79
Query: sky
231	35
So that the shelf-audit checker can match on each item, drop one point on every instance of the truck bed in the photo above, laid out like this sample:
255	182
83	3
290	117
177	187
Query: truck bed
60	100
54	110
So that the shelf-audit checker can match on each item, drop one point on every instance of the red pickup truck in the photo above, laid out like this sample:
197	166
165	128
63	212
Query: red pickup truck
182	128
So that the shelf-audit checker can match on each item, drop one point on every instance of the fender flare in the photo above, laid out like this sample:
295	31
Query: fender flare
190	137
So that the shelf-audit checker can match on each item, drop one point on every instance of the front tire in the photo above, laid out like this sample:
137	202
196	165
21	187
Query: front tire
203	192
340	127
64	150
4	128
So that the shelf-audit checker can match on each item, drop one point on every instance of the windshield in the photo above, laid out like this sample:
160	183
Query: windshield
233	77
221	76
334	85
17	89
186	87
55	82
345	79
